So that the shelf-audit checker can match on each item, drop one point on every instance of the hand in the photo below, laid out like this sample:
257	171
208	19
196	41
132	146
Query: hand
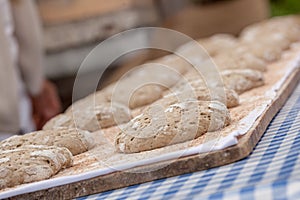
45	105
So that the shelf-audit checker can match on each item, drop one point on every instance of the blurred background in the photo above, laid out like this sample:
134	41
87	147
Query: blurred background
72	28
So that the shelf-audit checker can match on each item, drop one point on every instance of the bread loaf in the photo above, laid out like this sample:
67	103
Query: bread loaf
241	59
175	62
77	141
229	96
177	123
210	46
144	85
268	39
193	86
32	163
97	98
242	80
287	27
91	118
218	43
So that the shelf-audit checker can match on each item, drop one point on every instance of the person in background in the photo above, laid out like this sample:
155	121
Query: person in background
27	99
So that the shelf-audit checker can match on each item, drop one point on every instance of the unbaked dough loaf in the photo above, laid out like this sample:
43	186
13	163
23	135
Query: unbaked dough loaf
268	50
91	118
219	43
134	94
141	86
60	121
96	98
210	46
77	141
194	87
190	80
268	39
242	80
229	96
241	59
175	62
181	122
144	85
145	95
287	27
32	163
162	74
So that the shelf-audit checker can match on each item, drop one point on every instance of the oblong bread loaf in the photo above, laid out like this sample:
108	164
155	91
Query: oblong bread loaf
227	96
158	127
77	141
239	59
91	118
32	163
242	80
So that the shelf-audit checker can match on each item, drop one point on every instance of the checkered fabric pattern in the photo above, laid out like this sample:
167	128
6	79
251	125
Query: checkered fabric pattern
272	171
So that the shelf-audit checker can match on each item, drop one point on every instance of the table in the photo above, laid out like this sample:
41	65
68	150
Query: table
272	171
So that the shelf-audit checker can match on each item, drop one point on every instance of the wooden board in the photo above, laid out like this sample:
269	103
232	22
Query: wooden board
179	166
59	11
89	27
55	12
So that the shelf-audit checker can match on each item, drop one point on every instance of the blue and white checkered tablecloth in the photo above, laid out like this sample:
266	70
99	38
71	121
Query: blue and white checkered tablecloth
272	171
